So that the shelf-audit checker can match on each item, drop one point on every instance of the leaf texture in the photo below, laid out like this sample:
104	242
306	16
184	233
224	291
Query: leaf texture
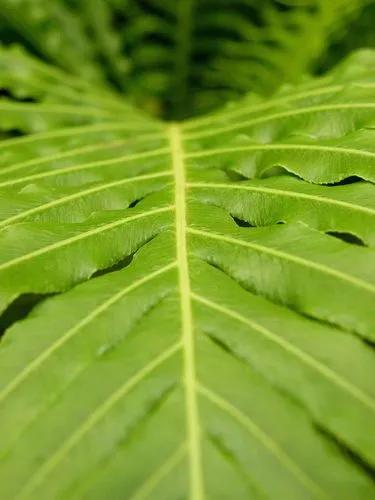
208	291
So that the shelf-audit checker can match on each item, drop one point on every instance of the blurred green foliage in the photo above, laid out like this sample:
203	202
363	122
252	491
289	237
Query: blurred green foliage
184	57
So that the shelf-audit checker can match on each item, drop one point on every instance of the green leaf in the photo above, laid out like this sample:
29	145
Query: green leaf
192	57
54	30
178	59
360	34
210	326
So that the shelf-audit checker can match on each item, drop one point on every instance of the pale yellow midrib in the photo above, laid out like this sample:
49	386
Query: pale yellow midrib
192	417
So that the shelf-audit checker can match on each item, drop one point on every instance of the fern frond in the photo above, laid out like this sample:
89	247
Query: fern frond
53	30
178	59
205	291
193	55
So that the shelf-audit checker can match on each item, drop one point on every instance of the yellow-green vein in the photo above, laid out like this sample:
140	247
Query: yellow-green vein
163	471
287	256
46	353
192	416
260	435
275	146
276	116
51	463
283	192
86	166
88	148
81	194
81	236
73	131
304	357
255	107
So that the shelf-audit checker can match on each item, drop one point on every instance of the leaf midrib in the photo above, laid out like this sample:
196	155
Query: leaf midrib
188	341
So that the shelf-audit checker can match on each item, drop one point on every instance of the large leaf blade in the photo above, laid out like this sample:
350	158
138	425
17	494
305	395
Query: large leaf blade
211	357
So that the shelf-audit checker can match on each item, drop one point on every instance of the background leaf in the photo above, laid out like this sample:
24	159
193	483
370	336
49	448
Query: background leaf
178	59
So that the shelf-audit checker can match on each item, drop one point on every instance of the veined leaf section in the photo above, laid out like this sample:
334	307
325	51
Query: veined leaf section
189	372
192	417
